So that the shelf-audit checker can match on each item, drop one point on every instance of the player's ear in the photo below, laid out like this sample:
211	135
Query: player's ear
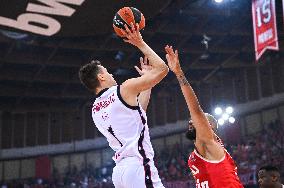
274	178
101	76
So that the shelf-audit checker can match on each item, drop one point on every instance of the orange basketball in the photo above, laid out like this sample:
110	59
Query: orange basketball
127	15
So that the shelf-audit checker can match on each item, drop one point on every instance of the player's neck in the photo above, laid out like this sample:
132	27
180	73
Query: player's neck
104	85
98	90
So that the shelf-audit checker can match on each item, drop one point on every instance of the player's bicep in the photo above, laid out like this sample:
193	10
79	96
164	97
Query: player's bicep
130	89
204	131
139	84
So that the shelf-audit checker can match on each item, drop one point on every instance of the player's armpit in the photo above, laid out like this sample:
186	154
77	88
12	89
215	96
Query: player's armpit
211	150
215	150
144	99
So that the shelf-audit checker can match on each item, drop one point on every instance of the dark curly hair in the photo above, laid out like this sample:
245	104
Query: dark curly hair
269	168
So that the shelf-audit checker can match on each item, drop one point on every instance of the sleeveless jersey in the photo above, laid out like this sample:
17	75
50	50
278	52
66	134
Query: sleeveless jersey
124	126
214	174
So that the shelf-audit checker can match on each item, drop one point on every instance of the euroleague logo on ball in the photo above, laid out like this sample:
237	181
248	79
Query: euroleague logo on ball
127	15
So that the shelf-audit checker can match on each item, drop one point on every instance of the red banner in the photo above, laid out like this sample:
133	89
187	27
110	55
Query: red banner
43	167
264	26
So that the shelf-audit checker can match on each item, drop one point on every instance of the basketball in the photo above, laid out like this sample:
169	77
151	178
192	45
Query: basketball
127	15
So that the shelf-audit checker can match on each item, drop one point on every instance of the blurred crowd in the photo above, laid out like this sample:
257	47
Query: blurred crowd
266	147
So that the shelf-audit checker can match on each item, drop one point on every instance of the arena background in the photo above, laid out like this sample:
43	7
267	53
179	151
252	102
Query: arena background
47	137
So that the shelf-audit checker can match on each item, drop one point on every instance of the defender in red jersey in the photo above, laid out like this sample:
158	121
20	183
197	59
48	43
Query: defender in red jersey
210	163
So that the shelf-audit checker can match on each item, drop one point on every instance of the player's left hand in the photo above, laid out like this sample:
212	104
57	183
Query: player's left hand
145	66
173	60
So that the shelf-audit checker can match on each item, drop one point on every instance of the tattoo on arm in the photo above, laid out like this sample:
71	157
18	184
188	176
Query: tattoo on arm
182	80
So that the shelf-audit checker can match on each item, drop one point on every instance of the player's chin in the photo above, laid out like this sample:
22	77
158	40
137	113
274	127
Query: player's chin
261	185
191	134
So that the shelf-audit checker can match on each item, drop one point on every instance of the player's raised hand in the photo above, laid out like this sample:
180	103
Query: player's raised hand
173	60
132	35
145	66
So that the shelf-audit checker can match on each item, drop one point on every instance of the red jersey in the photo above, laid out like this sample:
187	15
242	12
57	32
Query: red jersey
214	174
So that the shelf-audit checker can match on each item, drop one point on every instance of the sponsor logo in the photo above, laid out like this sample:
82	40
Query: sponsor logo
103	104
39	18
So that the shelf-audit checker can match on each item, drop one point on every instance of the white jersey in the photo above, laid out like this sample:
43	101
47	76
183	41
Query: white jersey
124	126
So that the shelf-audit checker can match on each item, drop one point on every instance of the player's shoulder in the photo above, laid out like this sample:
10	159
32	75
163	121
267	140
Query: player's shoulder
193	156
134	85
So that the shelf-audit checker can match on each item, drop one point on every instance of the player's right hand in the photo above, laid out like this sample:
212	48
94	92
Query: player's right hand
173	60
132	35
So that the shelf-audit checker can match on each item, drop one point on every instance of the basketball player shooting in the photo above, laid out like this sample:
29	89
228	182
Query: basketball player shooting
119	116
210	163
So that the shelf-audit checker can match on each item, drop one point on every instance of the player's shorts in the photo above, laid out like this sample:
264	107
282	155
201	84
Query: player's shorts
131	173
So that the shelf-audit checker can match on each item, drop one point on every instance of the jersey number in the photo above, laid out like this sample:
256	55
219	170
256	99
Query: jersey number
203	184
263	13
194	170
